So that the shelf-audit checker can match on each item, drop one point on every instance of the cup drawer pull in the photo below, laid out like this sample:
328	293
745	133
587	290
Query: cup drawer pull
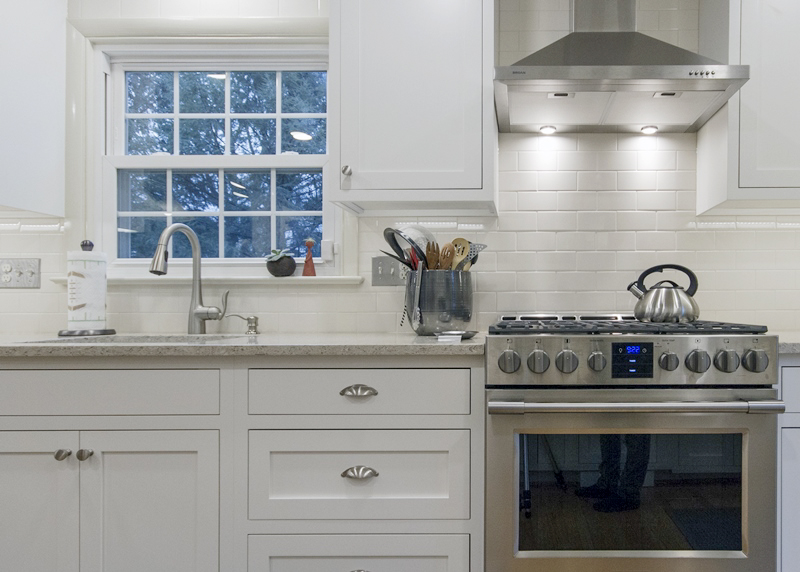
360	472
359	390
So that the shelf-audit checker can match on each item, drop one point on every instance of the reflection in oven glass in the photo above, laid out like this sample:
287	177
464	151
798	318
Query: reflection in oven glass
630	492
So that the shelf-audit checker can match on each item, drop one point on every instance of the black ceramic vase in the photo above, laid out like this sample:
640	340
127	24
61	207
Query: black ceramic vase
282	267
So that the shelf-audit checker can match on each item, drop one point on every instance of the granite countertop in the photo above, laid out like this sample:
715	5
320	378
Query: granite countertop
133	345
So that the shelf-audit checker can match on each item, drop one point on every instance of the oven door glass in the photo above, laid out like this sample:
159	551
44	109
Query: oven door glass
630	491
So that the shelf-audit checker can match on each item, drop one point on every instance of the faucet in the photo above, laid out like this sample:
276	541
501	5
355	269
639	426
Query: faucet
198	314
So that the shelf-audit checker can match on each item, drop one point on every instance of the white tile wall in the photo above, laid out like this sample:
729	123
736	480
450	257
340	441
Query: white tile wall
580	217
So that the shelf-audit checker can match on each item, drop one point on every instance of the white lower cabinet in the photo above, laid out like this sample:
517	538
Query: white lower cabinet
215	464
386	553
367	468
789	492
121	501
790	497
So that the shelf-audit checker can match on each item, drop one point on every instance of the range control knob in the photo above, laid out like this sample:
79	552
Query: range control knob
597	361
698	361
509	361
669	361
567	361
727	361
755	360
538	361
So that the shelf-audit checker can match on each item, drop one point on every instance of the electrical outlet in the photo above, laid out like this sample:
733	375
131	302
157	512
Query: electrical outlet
20	273
386	271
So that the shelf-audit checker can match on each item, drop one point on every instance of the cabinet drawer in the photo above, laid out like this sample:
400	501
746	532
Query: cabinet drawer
298	474
109	392
384	552
388	391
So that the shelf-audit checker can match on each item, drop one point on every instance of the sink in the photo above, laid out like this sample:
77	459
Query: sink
144	339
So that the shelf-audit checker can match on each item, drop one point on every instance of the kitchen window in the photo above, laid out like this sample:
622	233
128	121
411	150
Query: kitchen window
234	149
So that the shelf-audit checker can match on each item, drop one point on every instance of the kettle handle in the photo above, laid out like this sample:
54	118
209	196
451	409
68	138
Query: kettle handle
691	290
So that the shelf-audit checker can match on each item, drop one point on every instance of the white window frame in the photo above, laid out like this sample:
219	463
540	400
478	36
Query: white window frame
111	62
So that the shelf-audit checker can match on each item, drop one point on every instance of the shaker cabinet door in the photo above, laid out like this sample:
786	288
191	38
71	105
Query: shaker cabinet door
38	501
769	115
411	93
150	501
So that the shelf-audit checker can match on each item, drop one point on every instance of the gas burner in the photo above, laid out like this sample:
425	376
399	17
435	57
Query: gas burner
611	324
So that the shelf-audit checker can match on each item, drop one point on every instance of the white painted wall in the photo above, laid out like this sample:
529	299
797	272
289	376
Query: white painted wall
580	217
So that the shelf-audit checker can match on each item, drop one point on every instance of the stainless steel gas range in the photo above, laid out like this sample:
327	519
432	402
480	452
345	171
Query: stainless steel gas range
624	446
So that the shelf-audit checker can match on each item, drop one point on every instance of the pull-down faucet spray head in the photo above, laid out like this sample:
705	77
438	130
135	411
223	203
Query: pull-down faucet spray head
158	265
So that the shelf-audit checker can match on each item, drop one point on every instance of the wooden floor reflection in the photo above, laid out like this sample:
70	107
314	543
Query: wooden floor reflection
560	520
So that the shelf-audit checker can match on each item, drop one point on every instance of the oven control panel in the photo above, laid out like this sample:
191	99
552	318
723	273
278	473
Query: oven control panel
632	360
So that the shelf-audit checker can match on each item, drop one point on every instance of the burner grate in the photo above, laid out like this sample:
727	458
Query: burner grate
615	325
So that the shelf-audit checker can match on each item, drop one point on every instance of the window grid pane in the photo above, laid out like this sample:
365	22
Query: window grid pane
273	209
204	118
196	113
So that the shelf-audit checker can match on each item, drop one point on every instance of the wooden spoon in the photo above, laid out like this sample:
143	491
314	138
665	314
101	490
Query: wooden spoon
446	255
461	247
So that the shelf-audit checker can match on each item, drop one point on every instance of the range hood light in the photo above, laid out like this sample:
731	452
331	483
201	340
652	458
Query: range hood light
547	130
649	129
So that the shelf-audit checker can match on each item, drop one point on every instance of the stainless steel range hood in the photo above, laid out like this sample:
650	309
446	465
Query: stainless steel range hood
605	77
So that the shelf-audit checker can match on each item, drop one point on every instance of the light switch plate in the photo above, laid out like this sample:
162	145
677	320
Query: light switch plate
20	273
386	271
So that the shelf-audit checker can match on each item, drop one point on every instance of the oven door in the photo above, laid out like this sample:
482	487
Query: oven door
663	481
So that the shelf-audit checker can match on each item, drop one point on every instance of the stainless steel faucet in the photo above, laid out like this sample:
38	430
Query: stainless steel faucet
198	314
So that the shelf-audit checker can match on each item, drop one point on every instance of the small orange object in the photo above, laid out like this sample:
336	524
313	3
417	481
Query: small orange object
308	264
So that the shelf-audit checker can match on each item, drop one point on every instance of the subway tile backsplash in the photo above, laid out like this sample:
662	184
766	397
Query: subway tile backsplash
565	240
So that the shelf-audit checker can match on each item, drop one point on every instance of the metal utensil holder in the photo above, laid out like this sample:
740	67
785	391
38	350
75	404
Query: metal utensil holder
441	302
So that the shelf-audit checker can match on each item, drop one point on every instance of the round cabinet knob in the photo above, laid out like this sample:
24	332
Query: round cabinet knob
727	361
669	361
698	361
597	361
755	360
347	170
566	361
62	454
509	361
538	361
84	454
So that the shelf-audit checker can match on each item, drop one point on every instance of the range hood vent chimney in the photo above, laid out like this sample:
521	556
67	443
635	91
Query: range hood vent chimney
606	77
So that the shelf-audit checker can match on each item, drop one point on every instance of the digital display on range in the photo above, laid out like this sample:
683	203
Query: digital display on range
631	360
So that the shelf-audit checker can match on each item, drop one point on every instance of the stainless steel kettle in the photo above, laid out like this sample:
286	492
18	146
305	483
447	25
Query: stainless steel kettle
665	301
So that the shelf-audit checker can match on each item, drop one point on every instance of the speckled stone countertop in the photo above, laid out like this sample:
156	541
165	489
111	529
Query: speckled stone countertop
133	345
788	342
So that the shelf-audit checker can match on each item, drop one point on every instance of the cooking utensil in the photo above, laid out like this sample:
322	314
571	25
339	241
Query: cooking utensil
461	247
432	254
403	245
400	260
446	255
416	313
665	301
414	260
474	249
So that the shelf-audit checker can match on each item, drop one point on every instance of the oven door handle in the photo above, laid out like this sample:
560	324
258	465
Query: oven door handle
521	407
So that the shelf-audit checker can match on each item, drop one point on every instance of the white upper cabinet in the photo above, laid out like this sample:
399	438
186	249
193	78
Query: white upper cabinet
411	122
747	153
33	45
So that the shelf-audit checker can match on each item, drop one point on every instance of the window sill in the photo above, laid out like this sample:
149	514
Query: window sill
221	280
